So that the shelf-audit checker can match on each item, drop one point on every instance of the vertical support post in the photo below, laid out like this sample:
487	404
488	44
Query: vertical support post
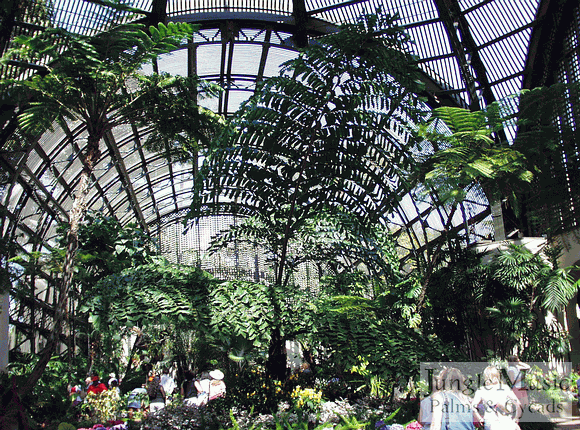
498	225
4	331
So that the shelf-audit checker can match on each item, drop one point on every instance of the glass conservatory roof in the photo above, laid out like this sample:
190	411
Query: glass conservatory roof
471	52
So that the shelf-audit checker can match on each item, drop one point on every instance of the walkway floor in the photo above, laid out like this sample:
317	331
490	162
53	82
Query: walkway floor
568	423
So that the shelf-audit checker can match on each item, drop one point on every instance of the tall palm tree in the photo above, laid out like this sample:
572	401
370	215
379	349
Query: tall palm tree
317	137
85	78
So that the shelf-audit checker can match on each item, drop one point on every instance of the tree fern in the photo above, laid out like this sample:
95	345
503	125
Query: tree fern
318	137
469	151
86	79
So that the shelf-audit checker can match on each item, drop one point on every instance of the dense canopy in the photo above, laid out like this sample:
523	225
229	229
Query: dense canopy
470	54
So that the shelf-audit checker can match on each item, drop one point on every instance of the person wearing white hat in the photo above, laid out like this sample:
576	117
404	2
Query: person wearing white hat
209	389
217	386
216	374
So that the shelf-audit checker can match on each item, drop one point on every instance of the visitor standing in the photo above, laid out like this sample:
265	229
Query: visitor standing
137	401
448	407
96	385
114	387
217	386
167	382
517	374
157	398
188	389
499	402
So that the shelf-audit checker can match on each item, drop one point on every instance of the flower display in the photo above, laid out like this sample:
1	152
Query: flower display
307	397
381	425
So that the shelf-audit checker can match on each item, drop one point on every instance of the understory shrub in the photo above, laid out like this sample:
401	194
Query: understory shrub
251	388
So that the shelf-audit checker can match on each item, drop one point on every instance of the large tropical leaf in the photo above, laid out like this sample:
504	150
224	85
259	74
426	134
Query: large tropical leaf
559	289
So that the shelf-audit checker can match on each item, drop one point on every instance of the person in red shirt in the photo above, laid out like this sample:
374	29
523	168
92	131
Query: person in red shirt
96	385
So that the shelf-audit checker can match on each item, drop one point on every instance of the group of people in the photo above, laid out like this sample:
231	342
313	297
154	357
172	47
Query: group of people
198	391
158	390
93	384
498	405
195	391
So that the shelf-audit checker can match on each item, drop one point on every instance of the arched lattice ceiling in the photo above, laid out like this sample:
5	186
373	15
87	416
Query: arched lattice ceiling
471	52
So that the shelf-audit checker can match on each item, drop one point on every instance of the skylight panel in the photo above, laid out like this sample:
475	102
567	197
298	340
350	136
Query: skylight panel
498	18
430	40
207	56
174	63
210	103
445	72
236	98
507	88
247	58
422	10
51	141
412	11
467	4
506	57
108	177
277	56
409	11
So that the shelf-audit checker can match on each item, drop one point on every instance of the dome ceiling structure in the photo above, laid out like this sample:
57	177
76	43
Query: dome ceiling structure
471	52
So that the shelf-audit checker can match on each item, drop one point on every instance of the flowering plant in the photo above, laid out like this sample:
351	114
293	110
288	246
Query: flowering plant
380	425
105	406
413	425
308	398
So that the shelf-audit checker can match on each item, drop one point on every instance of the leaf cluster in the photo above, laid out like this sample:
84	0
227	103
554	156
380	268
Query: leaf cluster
83	76
181	126
349	328
501	304
317	136
468	150
241	309
151	294
535	277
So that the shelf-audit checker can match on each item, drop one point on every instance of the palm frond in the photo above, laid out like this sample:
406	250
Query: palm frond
559	289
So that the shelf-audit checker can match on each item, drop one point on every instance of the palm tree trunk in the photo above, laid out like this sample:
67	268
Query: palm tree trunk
76	216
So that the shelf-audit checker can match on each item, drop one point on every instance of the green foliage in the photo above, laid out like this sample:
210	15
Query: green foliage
457	296
83	80
241	309
307	400
468	151
375	385
180	126
251	388
548	139
348	331
103	407
536	277
66	426
179	416
49	401
105	248
316	136
501	305
150	294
